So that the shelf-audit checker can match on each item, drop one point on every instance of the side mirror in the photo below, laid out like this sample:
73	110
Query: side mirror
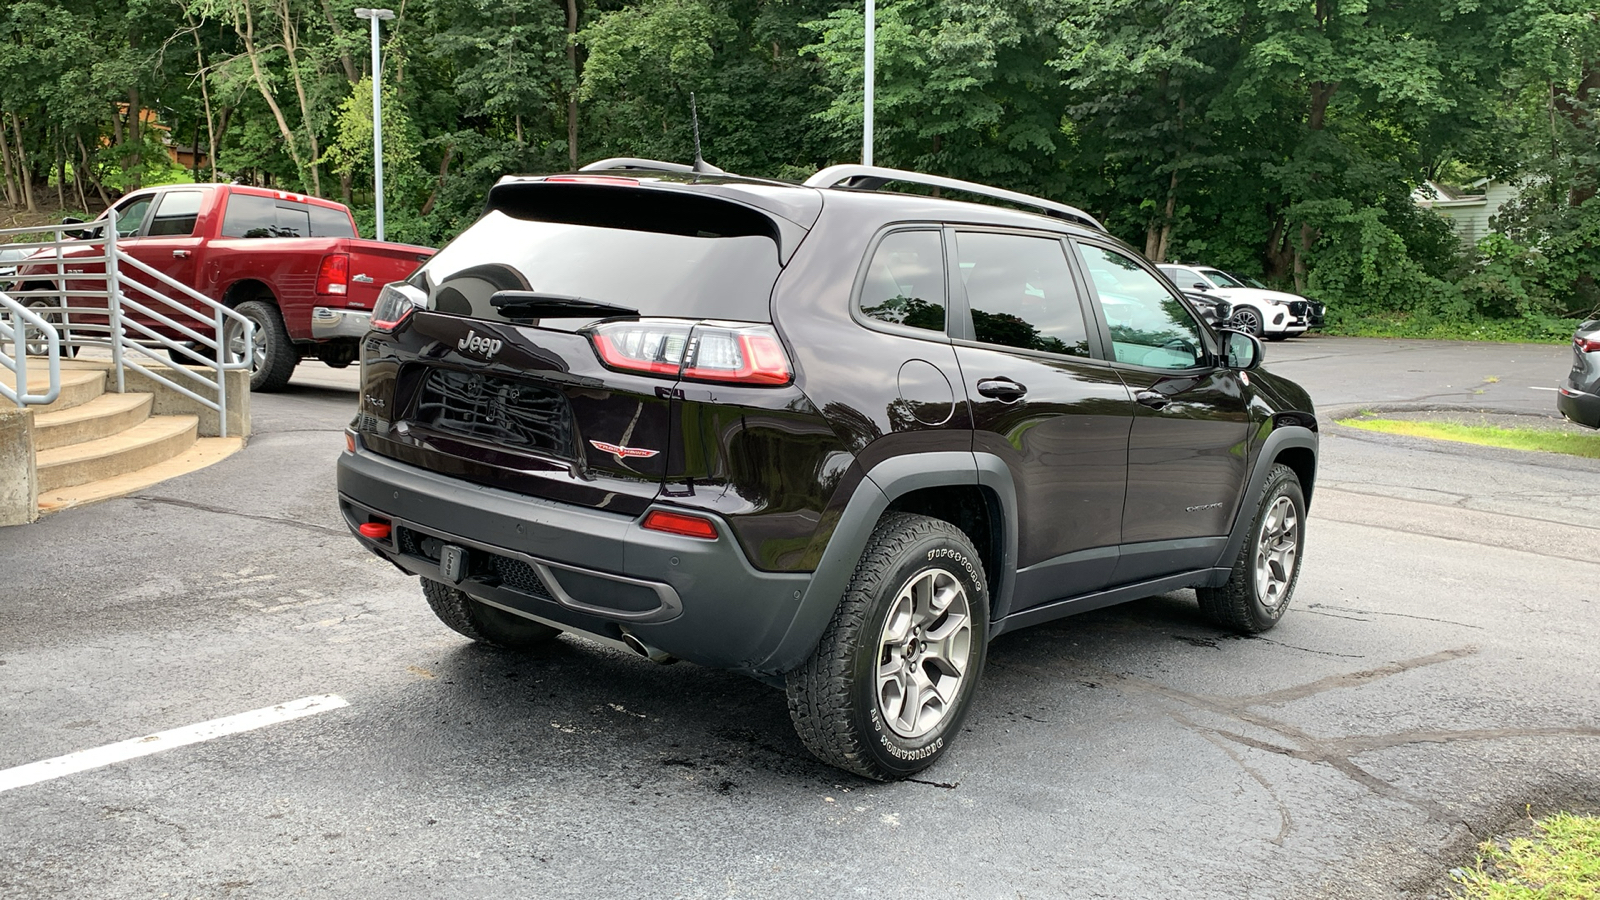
1242	351
1200	286
79	233
1223	311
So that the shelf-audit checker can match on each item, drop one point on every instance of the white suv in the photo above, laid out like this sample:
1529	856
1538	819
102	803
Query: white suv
1274	315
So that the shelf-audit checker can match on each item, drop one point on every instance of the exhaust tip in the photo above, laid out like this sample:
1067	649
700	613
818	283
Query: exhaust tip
654	654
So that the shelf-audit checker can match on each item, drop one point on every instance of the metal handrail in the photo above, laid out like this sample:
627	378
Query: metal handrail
871	178
17	361
203	323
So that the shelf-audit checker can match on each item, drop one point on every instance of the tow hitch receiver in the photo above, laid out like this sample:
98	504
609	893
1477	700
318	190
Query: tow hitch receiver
453	563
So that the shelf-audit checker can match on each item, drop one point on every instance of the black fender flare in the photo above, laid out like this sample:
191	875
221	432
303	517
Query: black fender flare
882	484
1284	437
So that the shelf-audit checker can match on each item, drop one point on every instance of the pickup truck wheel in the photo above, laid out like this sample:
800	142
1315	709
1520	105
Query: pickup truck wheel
892	679
1264	574
482	622
41	347
274	357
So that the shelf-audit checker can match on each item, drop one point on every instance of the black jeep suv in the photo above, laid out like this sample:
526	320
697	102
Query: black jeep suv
830	436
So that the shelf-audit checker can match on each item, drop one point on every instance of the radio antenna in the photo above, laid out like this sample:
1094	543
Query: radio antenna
694	117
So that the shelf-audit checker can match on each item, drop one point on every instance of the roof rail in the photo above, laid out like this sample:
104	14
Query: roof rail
870	178
629	162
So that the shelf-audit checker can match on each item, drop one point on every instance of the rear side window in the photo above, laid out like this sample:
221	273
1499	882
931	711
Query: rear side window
665	255
1021	292
252	216
176	215
905	281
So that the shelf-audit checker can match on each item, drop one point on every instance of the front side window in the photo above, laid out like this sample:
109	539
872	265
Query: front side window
1149	326
905	281
1221	278
131	215
1021	293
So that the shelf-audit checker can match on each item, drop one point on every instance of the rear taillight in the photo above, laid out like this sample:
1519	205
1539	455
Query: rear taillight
394	306
698	351
1587	345
333	278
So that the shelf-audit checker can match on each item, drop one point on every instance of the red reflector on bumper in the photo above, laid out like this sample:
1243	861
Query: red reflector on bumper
680	524
378	531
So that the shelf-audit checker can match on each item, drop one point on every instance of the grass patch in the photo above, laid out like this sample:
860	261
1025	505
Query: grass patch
1585	445
1560	861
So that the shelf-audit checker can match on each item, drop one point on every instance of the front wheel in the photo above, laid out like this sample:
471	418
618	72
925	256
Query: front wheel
892	679
1247	320
50	311
1264	574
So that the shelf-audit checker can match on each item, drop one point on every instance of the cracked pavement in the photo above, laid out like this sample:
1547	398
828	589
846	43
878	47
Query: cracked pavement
1433	683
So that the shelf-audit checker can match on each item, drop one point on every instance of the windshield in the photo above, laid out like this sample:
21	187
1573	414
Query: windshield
1221	278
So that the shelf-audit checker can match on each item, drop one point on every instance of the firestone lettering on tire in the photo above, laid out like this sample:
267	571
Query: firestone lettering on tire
946	553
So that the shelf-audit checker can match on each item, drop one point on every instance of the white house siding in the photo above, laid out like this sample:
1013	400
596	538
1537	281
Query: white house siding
1469	216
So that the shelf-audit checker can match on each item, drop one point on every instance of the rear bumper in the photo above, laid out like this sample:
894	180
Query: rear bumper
328	323
586	570
1579	407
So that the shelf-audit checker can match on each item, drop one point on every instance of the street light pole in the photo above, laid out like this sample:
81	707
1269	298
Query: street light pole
374	15
866	109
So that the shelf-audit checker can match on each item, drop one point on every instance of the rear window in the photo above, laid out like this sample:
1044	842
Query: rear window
252	216
663	256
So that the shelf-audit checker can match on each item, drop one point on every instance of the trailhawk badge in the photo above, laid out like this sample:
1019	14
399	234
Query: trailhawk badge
621	452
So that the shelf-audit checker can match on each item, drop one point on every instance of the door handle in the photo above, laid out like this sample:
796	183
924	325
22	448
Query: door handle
1152	399
1002	389
180	254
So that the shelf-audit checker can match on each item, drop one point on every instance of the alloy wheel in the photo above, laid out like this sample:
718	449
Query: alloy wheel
1276	552
235	341
923	652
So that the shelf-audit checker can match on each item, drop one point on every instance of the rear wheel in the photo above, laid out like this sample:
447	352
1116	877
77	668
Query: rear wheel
893	676
482	622
1264	574
273	355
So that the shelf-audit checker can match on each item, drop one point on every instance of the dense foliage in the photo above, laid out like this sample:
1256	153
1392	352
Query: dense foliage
1280	139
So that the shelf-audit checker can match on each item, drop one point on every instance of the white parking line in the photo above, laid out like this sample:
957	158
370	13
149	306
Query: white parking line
83	760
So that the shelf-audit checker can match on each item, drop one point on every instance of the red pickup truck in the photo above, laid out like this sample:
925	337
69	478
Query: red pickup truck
290	263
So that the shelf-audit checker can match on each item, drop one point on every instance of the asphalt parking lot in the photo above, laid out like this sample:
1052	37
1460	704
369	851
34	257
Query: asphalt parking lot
1434	682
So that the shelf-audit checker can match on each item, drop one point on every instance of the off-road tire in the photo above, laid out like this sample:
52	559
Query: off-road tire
484	623
281	356
1237	605
833	698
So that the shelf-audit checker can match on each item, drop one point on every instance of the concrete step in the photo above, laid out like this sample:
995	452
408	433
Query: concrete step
101	417
204	452
151	441
78	386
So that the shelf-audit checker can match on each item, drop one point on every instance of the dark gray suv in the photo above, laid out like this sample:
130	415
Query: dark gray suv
834	437
1579	399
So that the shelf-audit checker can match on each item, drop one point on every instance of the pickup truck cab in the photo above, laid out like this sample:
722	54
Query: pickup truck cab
292	264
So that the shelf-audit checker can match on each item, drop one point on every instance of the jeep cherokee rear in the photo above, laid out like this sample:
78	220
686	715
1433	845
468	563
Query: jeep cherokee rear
836	439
